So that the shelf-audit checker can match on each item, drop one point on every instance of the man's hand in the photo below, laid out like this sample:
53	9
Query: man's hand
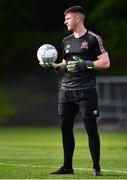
78	64
50	65
45	65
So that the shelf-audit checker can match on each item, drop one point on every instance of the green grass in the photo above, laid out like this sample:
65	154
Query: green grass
32	153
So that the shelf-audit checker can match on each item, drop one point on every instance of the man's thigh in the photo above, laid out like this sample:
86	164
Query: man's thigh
88	105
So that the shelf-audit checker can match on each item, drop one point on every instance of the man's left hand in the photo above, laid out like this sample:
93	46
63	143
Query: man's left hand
78	64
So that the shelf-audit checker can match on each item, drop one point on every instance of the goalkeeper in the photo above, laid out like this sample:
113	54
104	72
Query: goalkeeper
83	54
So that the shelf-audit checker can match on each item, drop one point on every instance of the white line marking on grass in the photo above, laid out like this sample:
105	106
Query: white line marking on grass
80	169
104	170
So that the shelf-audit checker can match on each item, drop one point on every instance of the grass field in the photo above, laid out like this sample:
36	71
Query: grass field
32	153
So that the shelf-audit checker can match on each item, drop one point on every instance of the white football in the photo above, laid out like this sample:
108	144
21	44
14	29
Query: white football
47	53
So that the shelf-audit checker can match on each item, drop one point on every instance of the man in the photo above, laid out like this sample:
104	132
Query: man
83	54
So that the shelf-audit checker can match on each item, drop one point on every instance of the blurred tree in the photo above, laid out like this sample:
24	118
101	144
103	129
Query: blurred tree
25	25
110	19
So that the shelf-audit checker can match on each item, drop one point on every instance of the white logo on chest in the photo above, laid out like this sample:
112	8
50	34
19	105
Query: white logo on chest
67	48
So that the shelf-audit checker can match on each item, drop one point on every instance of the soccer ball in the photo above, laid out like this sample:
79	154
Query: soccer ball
47	53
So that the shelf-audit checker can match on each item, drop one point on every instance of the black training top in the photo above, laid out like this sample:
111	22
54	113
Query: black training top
88	47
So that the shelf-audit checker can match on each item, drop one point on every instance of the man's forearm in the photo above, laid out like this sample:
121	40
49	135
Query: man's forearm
102	63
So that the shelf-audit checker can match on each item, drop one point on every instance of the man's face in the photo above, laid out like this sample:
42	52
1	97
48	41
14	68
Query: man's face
71	21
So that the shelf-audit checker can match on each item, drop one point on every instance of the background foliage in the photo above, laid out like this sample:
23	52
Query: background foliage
25	25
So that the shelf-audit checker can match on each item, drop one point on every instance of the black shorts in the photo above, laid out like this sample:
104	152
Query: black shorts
73	101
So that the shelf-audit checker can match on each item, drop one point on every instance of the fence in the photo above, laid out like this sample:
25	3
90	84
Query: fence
112	92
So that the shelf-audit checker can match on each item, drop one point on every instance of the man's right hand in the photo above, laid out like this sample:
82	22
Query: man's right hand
50	65
45	65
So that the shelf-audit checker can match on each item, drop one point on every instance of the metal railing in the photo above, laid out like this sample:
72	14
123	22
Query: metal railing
112	93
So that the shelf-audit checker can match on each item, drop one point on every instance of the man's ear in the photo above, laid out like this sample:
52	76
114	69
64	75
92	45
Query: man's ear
78	18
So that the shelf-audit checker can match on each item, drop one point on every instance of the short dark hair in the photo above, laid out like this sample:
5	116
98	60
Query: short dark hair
75	9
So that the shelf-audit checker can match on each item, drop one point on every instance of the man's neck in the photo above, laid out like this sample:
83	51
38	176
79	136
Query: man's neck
79	32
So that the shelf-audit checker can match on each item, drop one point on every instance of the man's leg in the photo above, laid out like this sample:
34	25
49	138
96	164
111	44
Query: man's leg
67	115
94	142
67	112
89	112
